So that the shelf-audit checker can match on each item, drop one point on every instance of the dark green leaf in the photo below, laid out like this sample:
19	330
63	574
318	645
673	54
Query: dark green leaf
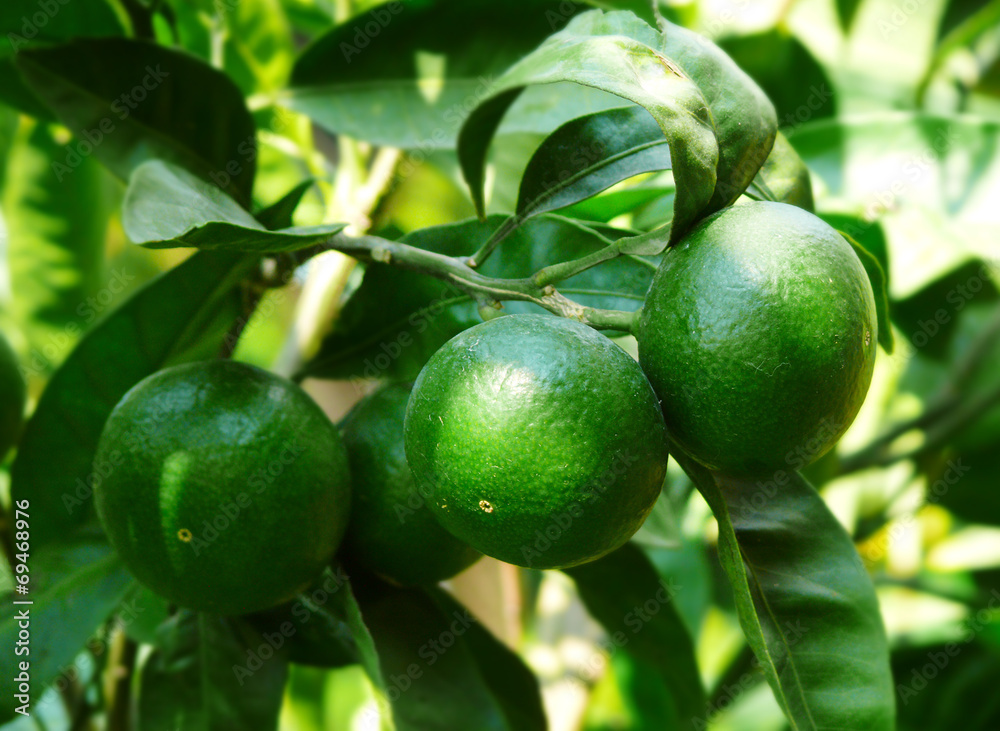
343	608
20	29
742	115
63	615
129	101
927	318
880	287
964	484
804	599
510	681
940	684
313	636
586	156
398	319
405	74
625	594
846	10
26	23
183	315
787	72
613	52
15	93
211	674
784	177
167	207
432	677
279	214
55	248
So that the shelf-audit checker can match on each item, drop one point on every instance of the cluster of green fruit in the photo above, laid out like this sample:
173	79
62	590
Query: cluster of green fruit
530	438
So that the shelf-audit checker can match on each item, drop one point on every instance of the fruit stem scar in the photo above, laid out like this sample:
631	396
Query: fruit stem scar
485	506
185	535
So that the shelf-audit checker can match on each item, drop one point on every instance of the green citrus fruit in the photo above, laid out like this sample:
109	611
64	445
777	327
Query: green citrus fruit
540	441
13	394
758	334
392	532
230	488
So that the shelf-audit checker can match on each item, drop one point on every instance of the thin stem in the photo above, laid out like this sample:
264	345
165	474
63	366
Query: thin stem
486	291
119	680
952	422
645	244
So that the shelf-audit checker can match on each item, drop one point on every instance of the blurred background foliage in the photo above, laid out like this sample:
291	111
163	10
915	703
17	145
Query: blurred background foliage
895	107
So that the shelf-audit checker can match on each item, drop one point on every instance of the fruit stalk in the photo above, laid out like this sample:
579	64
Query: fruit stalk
486	291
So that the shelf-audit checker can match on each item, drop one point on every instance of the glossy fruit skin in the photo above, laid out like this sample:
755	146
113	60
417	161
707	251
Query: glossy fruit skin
13	394
759	334
392	531
540	441
231	487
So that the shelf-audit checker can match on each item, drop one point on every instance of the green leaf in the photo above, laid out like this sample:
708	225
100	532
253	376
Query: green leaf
433	679
805	602
313	636
601	51
787	73
846	10
961	690
398	319
167	207
405	74
637	200
211	673
927	318
510	681
182	315
129	101
344	608
55	247
784	177
586	156
20	29
625	594
63	614
279	214
26	23
743	117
